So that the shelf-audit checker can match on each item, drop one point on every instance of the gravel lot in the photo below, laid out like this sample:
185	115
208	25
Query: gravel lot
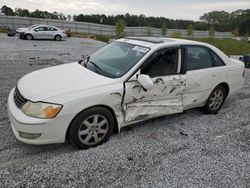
184	150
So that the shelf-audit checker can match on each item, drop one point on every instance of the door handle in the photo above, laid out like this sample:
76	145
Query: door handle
213	75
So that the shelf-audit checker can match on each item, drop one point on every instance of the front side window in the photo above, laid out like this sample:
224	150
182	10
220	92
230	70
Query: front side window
198	58
41	29
115	59
161	63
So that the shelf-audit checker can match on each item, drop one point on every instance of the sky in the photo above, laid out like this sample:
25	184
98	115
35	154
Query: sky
173	9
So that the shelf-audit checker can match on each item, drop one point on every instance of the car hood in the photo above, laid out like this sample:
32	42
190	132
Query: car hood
22	29
49	82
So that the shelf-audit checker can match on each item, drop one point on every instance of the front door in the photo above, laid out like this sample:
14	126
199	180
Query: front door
166	97
41	32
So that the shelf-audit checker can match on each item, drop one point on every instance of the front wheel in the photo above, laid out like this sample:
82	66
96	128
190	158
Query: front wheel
58	38
215	100
29	37
91	128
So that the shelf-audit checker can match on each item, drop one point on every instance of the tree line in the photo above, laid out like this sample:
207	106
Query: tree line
238	21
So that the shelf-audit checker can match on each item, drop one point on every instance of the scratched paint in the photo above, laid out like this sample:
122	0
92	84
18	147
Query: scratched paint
166	97
142	111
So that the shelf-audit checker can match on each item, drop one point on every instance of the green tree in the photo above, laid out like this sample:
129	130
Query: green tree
22	12
236	32
69	17
176	34
190	30
164	29
7	11
211	32
216	17
119	28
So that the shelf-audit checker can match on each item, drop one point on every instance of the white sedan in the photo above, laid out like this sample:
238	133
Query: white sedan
42	32
127	81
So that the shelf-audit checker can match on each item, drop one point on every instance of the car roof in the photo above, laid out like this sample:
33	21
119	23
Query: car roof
38	25
158	41
155	43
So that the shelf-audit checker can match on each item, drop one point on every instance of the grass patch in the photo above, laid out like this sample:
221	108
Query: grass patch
102	38
80	35
228	46
4	29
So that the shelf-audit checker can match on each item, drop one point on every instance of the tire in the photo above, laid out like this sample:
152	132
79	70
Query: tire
29	37
216	100
58	38
91	128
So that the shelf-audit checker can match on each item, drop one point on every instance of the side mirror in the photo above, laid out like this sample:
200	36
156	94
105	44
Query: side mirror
145	81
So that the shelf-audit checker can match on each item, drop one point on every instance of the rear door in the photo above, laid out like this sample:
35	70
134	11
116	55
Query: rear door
51	32
166	97
204	71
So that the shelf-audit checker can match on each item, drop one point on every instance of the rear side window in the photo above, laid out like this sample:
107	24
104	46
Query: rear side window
52	29
216	60
198	58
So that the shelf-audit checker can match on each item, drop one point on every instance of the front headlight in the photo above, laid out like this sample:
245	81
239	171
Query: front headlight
41	110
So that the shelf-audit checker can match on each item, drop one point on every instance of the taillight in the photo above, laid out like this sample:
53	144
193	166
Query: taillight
243	74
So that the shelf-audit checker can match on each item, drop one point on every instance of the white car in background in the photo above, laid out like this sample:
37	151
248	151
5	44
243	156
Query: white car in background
42	32
127	81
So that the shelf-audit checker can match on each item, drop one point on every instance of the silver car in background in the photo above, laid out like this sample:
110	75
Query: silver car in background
43	32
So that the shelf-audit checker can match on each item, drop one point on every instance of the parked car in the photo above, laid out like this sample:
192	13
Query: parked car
68	32
127	81
246	60
43	32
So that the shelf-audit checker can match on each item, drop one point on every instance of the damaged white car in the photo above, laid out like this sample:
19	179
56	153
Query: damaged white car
129	80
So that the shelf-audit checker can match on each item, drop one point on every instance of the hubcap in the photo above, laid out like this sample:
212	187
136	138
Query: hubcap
216	100
93	129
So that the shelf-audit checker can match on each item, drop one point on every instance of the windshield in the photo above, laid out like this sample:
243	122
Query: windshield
32	26
115	59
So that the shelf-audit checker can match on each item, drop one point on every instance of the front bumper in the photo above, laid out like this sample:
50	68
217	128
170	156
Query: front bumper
21	35
48	130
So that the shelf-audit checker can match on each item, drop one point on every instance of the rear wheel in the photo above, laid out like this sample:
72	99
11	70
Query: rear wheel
91	128
58	38
215	100
29	37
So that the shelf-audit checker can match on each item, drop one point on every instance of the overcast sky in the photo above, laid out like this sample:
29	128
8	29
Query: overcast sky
174	9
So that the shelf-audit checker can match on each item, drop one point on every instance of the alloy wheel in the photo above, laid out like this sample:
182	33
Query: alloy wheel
93	129
216	99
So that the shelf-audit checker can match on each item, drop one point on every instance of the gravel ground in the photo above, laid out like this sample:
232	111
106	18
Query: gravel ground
184	150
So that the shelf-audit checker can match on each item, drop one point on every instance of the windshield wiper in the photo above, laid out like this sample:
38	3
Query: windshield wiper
83	60
96	66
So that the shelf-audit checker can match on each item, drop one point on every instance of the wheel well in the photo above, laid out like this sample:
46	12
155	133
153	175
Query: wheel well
57	35
116	129
225	85
28	34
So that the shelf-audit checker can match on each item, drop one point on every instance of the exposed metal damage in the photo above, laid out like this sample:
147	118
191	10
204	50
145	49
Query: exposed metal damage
165	98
